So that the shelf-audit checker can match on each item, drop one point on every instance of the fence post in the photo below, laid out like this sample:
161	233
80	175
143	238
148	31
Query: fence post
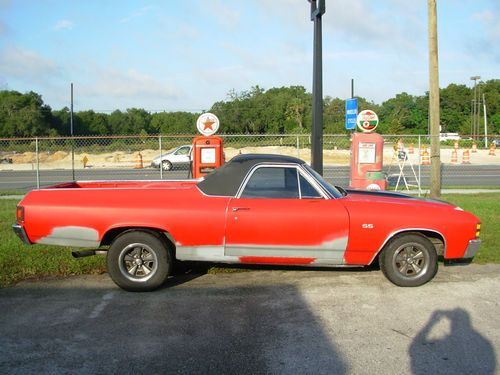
37	164
159	145
298	147
419	163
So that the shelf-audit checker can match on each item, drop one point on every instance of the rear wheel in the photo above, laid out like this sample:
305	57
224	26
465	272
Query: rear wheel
409	260
139	261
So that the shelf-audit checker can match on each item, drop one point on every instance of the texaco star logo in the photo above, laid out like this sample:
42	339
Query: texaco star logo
207	124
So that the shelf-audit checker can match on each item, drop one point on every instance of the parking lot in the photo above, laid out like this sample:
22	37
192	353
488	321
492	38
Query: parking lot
257	321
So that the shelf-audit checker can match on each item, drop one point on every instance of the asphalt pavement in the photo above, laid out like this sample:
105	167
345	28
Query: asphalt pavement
266	321
452	175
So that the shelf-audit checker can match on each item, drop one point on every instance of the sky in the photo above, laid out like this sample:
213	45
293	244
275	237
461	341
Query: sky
170	55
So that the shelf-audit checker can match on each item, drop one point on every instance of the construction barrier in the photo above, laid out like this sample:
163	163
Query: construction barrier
466	157
454	157
425	158
455	146
492	150
474	147
138	161
411	149
422	148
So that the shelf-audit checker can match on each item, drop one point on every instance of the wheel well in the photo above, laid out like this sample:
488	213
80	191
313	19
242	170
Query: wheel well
436	238
110	235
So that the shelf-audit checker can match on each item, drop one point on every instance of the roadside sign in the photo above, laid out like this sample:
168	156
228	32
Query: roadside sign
207	124
351	113
367	121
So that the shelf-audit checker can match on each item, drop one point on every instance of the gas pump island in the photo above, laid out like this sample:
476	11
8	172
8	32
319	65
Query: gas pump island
208	151
367	150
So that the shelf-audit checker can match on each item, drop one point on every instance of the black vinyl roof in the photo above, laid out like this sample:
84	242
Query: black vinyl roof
226	180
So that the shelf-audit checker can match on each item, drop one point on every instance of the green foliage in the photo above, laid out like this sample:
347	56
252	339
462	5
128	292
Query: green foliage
284	110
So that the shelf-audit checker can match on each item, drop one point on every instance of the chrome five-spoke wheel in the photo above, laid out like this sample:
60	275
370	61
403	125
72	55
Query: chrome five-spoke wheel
409	260
139	260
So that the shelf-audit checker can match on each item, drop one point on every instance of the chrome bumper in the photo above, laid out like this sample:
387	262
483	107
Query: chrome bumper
21	233
472	248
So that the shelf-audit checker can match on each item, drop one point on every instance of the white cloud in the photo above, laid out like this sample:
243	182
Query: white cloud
130	84
226	15
27	65
63	25
138	13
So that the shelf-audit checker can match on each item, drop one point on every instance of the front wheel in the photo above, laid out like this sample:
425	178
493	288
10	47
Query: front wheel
409	260
139	261
166	165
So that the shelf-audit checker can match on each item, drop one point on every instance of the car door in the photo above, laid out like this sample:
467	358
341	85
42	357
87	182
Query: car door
281	216
181	155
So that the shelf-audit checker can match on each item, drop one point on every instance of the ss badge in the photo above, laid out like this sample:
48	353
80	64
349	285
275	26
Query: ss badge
367	226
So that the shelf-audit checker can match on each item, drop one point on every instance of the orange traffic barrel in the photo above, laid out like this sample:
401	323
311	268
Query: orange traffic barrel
455	146
492	150
474	147
411	148
466	157
425	158
138	161
454	157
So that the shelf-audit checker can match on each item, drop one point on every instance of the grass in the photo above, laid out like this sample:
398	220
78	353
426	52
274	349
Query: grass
10	192
19	261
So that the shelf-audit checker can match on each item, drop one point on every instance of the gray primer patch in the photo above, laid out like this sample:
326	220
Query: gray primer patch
330	250
72	236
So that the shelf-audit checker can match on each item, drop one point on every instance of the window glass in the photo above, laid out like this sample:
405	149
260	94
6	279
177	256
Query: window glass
272	182
329	188
307	190
182	151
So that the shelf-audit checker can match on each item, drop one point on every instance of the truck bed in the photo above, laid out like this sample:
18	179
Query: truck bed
136	184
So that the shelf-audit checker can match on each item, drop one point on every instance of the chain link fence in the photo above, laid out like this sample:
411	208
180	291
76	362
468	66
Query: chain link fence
30	163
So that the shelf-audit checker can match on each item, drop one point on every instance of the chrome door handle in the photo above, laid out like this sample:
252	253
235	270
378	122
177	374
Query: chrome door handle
240	209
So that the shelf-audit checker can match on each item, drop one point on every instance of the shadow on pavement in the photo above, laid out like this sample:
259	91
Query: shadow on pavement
458	350
188	329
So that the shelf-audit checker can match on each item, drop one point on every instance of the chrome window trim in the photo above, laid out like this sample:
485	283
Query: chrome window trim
298	169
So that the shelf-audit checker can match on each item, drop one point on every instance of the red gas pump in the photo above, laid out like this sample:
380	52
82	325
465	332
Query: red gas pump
367	152
208	151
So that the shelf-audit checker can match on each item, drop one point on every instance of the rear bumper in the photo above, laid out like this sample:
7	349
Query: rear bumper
21	233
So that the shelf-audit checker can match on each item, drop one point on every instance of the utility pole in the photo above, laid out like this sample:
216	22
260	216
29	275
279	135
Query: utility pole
475	107
485	124
71	133
317	10
434	101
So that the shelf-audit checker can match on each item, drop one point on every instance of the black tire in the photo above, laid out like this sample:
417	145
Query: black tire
139	261
409	260
166	165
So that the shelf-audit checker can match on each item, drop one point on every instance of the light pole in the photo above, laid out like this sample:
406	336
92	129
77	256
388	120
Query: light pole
317	10
475	119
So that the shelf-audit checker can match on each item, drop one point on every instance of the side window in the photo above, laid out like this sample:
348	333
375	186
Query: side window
307	190
182	151
272	182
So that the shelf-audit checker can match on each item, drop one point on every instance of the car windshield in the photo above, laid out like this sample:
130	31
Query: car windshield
334	193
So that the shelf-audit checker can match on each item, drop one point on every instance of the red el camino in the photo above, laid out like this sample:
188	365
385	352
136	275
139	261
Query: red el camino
259	209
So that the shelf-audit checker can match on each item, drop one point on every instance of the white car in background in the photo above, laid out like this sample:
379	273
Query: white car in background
177	158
